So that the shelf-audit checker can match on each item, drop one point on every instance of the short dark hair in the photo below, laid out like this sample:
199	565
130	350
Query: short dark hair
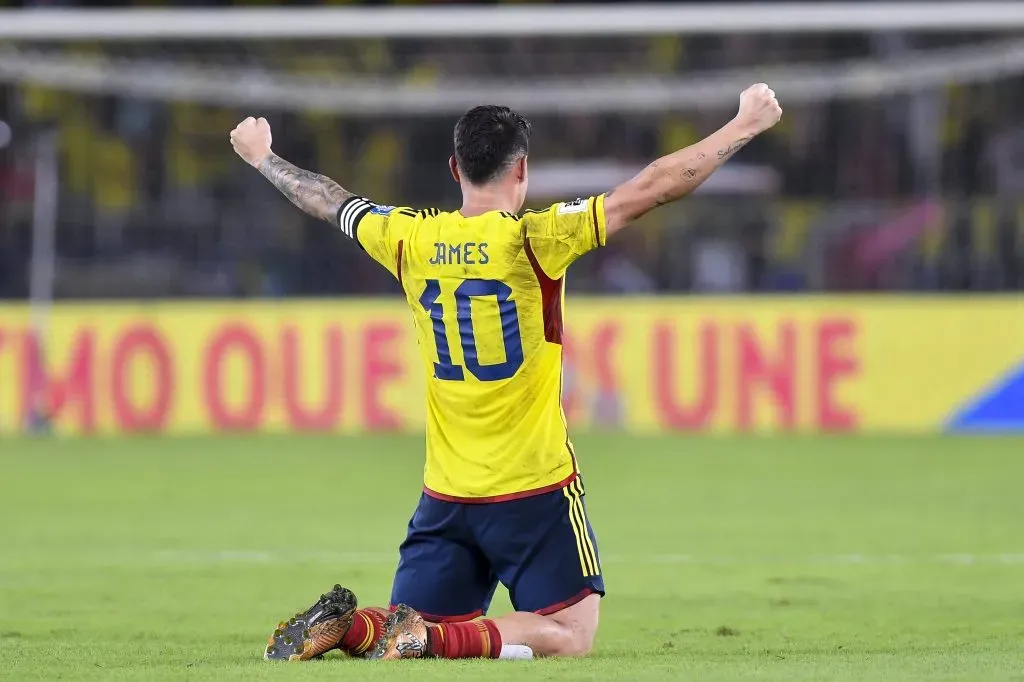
488	140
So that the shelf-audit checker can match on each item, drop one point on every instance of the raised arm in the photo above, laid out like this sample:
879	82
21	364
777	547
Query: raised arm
674	176
316	194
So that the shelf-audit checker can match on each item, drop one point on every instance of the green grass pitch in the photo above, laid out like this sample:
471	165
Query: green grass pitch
726	559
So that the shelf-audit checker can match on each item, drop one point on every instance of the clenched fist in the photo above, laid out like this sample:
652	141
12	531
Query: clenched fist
251	139
758	108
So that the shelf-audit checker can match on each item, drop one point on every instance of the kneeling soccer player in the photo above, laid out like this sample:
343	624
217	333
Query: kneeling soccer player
503	499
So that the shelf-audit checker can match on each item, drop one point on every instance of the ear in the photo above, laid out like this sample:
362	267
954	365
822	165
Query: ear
521	169
453	166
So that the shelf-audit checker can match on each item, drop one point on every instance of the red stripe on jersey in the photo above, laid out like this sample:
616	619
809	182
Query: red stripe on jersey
401	247
597	227
551	298
501	498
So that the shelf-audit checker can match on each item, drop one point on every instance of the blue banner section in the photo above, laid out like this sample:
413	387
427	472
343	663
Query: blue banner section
999	409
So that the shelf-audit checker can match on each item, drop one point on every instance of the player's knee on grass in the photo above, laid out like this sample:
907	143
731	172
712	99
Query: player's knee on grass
579	625
569	642
567	633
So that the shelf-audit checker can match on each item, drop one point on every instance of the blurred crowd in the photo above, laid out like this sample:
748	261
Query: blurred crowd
153	202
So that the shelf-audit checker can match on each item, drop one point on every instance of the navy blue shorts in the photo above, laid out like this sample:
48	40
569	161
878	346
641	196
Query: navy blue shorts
541	548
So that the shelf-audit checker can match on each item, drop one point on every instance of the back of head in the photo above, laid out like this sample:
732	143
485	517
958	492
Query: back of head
488	141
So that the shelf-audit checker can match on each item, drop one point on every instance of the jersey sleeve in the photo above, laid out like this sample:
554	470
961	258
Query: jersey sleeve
563	232
379	230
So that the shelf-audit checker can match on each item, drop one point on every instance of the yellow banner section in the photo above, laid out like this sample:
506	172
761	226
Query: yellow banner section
649	365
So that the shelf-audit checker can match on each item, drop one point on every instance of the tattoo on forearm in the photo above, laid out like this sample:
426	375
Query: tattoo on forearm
724	154
316	194
689	172
655	172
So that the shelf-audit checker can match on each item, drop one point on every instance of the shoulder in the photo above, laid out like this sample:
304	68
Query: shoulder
416	214
535	216
564	213
384	211
503	222
359	211
357	208
580	205
563	208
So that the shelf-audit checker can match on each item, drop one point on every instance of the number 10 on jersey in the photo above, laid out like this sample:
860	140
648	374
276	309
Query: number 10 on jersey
464	295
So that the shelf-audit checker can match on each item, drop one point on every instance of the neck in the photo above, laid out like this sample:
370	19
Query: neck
480	200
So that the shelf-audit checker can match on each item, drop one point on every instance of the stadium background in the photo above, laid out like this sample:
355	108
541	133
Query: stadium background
769	382
909	192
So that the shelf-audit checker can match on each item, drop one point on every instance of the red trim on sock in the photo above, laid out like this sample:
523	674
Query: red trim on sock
431	618
435	641
475	639
555	608
367	626
493	638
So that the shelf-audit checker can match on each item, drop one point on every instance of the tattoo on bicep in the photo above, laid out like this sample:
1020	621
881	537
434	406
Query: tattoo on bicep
316	194
734	147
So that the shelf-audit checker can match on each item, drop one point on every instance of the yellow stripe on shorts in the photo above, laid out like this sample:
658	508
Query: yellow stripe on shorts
586	528
578	520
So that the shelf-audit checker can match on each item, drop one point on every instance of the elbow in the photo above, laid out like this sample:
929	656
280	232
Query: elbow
635	198
621	210
655	189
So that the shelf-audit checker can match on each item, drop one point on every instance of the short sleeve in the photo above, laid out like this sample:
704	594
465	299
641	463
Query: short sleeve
563	232
379	230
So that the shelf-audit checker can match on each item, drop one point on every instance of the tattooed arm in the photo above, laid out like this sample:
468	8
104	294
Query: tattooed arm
674	176
316	194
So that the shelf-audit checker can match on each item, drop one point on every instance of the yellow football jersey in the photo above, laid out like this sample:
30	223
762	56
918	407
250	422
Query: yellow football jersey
486	298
